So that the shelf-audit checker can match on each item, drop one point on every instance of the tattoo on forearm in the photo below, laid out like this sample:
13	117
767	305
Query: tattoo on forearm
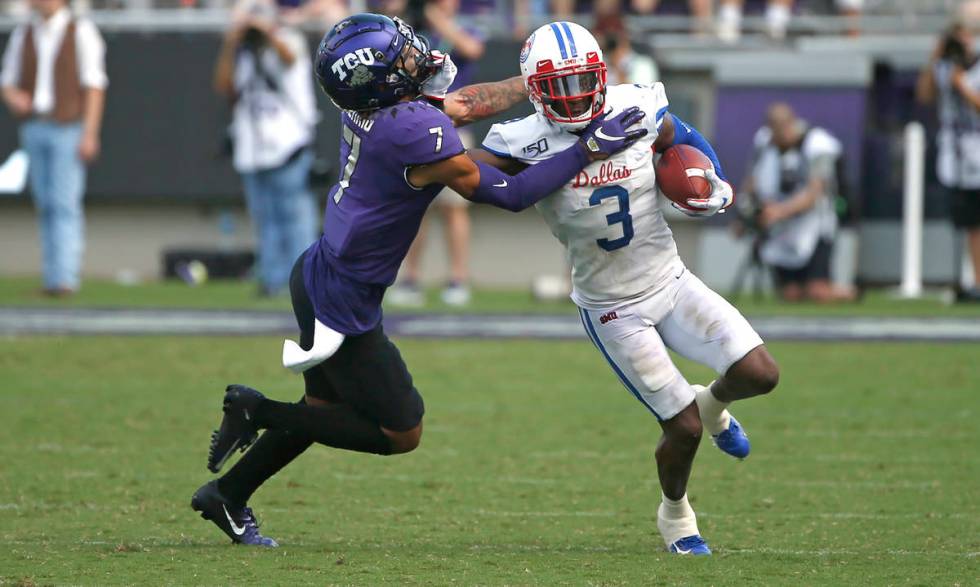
480	101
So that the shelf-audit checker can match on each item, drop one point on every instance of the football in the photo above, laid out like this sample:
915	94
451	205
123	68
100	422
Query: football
680	174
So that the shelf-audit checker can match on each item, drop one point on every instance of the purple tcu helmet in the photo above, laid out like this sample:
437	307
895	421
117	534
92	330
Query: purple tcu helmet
370	61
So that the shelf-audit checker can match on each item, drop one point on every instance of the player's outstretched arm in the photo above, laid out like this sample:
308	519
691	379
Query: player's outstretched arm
674	131
480	182
473	102
478	101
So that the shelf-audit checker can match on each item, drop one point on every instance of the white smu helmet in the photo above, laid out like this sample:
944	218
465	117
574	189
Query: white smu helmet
564	72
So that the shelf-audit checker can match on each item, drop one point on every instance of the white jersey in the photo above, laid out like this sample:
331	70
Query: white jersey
608	218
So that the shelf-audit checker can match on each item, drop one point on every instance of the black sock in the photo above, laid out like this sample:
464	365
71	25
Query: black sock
271	452
339	426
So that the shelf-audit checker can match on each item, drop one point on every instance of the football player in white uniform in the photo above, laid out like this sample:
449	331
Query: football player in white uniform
635	297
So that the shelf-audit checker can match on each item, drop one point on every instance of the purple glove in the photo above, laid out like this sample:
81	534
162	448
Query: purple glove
605	137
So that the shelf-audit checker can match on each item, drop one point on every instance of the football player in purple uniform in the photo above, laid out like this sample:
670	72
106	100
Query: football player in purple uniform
399	149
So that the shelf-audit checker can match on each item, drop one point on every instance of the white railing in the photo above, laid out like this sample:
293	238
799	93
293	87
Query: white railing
912	211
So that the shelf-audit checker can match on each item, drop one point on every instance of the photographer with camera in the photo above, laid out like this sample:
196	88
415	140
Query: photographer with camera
264	71
951	79
790	188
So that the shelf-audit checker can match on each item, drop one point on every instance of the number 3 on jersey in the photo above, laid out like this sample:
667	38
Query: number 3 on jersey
621	216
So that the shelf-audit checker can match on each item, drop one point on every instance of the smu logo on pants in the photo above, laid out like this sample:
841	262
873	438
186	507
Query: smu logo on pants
609	317
352	60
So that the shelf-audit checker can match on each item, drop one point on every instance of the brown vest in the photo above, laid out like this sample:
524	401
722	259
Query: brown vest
69	96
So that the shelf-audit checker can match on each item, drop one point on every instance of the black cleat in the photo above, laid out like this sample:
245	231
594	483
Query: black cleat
238	429
237	522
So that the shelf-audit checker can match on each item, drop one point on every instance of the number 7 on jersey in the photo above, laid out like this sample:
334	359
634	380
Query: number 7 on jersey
437	130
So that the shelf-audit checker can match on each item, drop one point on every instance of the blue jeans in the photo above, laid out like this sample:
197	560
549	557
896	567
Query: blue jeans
285	217
57	176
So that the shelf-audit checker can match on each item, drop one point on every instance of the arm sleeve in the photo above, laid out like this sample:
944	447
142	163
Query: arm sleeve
11	59
91	56
685	134
521	191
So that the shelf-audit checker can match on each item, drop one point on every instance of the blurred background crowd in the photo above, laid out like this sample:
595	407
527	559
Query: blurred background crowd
212	155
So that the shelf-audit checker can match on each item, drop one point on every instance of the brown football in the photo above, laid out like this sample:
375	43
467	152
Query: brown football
680	174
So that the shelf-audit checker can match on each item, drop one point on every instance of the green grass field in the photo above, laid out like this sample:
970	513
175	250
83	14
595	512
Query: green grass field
536	469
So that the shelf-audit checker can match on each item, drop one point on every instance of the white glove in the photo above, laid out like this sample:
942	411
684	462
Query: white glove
436	87
721	197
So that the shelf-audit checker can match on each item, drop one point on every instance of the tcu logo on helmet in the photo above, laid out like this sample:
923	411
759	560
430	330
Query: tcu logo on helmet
352	60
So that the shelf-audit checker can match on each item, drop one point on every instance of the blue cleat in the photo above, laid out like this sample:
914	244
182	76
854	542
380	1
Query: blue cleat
237	522
733	441
694	545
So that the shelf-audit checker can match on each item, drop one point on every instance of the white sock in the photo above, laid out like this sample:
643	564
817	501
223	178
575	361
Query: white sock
676	519
777	19
714	413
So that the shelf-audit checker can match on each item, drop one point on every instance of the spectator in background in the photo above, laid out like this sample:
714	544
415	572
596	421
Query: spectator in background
466	47
851	10
264	70
700	11
730	19
952	80
791	185
325	12
624	65
54	80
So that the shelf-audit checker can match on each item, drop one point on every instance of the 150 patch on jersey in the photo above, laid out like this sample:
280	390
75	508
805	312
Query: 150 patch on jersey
537	148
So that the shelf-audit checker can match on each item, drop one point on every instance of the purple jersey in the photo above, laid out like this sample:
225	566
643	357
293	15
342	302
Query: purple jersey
372	213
